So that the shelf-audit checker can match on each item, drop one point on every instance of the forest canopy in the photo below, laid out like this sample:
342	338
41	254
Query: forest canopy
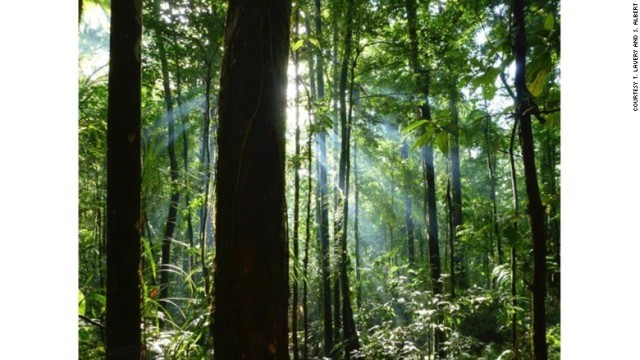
344	179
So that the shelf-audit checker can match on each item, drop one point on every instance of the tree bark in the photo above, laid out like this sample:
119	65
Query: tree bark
423	82
456	194
251	273
173	169
535	208
356	224
324	199
516	211
296	197
348	323
411	253
491	166
124	182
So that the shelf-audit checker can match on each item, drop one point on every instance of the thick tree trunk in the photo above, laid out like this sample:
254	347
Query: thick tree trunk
124	182
535	209
251	273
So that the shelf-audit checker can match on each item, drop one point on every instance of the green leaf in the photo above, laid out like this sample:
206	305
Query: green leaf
413	126
297	45
314	41
539	81
82	304
442	141
549	21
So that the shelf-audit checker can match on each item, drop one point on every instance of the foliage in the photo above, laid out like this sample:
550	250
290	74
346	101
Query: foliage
465	48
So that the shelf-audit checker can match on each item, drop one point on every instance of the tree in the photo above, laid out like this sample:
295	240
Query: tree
124	182
423	79
250	278
172	215
524	108
348	324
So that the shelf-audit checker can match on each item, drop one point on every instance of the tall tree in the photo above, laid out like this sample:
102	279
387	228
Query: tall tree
251	273
458	265
348	324
124	182
524	107
422	81
408	208
296	195
172	215
324	195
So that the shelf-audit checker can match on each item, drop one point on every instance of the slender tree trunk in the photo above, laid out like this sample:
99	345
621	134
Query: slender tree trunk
348	325
456	194
451	238
429	173
124	182
336	193
296	197
173	169
516	212
305	352
205	160
185	159
535	209
411	253
553	223
324	198
491	166
356	230
251	273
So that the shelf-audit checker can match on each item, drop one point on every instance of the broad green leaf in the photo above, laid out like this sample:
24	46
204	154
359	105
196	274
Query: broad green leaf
536	86
549	21
297	45
82	304
413	126
424	139
442	141
314	41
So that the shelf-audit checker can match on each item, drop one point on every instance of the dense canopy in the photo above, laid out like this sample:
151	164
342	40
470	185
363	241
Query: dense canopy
337	179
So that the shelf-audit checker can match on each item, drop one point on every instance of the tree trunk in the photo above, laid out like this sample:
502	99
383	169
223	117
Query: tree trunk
296	196
185	159
356	230
124	182
491	166
429	173
251	273
516	212
205	160
324	200
305	266
173	169
411	253
535	209
456	194
348	324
